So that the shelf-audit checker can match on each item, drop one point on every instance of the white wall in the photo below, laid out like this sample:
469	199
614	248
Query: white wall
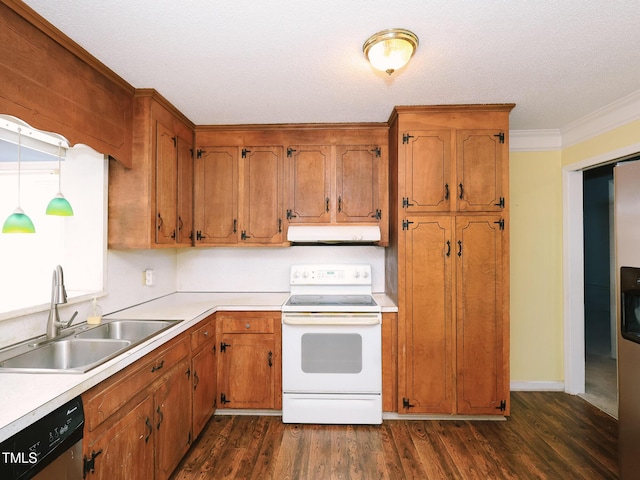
265	269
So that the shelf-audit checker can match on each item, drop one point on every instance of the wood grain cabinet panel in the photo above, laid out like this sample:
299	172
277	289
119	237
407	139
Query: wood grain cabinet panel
309	173
151	203
450	243
249	360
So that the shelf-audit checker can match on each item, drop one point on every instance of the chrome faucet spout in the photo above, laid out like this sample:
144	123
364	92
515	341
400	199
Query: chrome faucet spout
58	297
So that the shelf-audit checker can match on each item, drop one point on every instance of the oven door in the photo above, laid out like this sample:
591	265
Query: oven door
331	353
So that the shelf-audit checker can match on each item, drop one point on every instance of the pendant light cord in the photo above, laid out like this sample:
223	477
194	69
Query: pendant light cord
59	167
19	130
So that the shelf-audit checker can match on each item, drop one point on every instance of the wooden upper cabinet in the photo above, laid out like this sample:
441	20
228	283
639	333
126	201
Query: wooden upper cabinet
309	173
151	203
166	185
261	174
216	195
238	195
480	170
358	183
428	181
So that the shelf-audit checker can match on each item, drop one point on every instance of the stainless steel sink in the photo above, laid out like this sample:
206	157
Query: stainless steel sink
68	354
133	330
80	348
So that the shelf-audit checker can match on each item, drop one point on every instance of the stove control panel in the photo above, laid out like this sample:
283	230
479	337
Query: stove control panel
331	274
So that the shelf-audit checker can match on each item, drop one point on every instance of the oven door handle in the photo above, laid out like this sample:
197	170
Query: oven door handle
320	319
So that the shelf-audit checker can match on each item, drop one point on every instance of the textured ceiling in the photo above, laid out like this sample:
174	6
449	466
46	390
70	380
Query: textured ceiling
281	61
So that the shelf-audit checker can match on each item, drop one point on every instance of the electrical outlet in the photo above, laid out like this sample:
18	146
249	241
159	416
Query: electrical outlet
148	277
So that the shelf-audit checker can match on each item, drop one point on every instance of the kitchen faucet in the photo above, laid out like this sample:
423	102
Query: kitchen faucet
58	297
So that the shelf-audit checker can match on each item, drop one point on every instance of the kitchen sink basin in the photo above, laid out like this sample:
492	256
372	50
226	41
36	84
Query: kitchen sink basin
68	355
133	330
80	348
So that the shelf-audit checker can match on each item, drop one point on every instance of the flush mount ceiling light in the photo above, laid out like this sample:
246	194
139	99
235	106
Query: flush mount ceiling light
59	205
391	49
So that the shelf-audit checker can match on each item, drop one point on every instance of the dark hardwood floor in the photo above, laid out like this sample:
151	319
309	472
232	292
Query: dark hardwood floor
549	435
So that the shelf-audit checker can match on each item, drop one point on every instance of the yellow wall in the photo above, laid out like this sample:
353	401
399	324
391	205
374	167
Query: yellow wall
536	266
536	251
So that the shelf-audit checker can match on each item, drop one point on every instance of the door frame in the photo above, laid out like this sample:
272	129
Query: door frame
573	264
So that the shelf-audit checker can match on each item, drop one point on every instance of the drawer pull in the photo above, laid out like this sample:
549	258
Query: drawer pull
205	333
157	367
247	326
150	427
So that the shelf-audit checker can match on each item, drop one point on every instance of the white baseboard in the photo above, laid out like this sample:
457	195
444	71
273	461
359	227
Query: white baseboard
537	386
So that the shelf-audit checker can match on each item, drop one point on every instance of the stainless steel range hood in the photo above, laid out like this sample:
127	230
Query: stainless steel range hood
334	234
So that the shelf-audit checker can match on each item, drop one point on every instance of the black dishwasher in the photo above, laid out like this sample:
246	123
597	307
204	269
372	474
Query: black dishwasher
50	448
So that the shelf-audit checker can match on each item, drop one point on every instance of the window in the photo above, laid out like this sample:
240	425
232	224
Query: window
77	243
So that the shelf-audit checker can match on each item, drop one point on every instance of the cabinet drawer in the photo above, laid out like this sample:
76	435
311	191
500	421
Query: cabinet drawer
107	398
203	334
248	323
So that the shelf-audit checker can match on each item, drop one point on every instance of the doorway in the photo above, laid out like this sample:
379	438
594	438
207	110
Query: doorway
599	312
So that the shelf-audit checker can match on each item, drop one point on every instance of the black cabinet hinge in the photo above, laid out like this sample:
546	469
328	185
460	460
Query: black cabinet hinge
501	223
200	235
377	151
290	151
290	215
406	404
243	235
377	215
405	224
244	152
199	153
503	406
500	203
406	137
223	399
90	463
405	202
223	346
500	136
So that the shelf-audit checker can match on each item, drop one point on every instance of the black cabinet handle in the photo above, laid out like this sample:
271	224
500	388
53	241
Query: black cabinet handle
150	427
157	367
448	254
461	191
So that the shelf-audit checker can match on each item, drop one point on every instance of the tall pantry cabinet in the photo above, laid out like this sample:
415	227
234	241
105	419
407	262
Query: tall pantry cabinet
448	257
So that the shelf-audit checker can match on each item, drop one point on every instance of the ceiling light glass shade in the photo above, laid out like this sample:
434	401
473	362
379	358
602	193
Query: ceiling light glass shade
59	206
18	222
391	49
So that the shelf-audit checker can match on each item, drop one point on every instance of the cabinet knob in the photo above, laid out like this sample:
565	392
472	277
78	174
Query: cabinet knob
206	333
247	326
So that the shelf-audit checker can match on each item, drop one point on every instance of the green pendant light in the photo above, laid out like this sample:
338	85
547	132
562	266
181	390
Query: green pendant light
18	221
59	205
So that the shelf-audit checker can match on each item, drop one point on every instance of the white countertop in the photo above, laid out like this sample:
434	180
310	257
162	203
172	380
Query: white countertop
27	397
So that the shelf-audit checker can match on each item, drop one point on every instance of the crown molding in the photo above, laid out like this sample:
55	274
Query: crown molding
616	114
534	140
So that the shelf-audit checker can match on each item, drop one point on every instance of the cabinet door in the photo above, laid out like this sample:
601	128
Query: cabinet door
184	233
166	185
246	375
262	195
125	450
309	184
204	387
357	183
426	332
482	333
427	171
216	195
481	170
172	420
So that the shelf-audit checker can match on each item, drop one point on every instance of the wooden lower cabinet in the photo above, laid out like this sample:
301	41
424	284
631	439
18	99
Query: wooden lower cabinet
453	336
389	362
124	450
203	367
138	422
249	363
172	415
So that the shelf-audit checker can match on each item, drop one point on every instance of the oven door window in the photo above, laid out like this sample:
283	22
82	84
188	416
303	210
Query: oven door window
331	353
630	318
